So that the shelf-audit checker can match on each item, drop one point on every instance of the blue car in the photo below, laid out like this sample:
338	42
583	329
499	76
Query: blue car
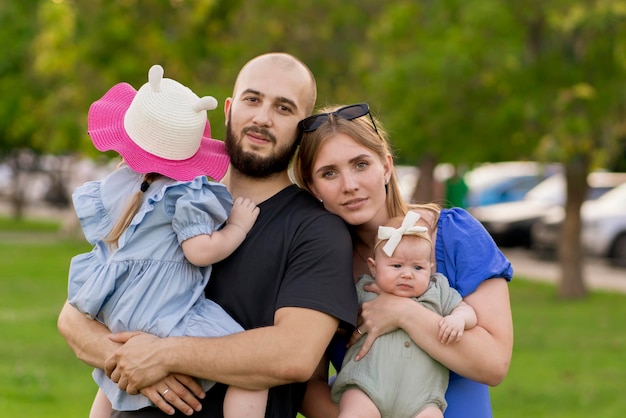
510	224
503	182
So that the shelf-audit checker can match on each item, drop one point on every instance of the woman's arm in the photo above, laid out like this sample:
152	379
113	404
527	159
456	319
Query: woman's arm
484	352
317	402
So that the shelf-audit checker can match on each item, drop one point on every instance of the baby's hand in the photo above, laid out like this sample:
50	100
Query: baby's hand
243	214
451	329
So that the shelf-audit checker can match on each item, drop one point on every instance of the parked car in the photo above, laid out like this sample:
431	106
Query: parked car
546	232
603	228
502	182
510	223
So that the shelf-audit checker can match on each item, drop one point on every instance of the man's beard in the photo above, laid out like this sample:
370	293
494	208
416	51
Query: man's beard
251	164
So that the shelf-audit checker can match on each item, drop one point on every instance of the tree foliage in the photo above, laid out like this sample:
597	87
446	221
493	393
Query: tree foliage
455	81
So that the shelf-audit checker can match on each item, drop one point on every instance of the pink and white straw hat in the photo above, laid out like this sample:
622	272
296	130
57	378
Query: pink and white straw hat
162	128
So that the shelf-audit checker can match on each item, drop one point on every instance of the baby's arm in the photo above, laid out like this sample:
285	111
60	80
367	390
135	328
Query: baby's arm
451	327
204	250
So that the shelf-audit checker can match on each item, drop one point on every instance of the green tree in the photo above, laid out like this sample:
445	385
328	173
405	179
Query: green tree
453	81
443	78
59	56
575	52
493	80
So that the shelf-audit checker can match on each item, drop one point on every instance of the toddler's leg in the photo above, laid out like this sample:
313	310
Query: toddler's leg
101	407
244	403
431	411
355	403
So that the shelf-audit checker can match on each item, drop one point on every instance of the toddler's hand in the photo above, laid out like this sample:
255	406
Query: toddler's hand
243	214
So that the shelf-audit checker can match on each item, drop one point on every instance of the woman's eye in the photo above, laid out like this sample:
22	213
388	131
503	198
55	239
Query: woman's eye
362	164
328	174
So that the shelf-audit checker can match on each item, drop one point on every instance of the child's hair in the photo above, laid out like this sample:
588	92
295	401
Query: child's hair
131	210
396	222
433	208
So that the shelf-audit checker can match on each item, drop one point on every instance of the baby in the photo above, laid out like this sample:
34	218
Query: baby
397	378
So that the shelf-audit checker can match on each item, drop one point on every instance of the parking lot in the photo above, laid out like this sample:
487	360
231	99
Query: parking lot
599	275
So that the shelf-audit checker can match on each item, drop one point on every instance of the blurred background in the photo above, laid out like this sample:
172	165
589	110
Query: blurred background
457	84
513	109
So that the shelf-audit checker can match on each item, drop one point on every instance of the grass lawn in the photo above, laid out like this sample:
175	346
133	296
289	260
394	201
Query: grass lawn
39	375
568	359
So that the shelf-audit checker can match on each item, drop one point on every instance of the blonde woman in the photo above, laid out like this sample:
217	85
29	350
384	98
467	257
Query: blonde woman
345	161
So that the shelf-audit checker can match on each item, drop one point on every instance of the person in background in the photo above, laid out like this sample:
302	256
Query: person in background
345	161
456	190
397	378
288	284
157	225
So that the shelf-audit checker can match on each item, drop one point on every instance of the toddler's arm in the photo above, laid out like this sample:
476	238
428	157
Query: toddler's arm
204	250
451	327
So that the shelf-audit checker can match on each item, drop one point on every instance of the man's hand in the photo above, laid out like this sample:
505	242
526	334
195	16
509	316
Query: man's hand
175	391
136	364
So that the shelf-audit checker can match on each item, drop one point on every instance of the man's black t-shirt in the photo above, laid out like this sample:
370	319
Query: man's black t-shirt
296	255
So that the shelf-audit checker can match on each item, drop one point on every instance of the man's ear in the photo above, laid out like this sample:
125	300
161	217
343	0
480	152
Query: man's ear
227	103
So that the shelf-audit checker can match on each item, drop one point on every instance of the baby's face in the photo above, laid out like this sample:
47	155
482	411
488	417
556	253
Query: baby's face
407	272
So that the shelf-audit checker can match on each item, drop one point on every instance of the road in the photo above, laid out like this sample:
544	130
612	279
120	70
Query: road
598	273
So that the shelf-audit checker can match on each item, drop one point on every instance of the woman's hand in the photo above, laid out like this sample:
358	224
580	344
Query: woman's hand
379	316
175	391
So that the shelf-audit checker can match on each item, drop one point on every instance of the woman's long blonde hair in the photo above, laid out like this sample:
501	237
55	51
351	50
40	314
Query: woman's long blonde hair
363	132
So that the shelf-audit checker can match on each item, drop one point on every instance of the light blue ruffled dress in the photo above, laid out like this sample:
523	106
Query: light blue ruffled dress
146	284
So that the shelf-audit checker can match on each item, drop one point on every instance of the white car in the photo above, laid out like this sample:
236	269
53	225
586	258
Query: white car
604	226
512	223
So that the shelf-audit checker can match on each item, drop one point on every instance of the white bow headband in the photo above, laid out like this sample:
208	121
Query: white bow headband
394	235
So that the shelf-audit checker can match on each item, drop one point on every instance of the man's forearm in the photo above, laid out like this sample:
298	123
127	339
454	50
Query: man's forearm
87	338
286	352
254	361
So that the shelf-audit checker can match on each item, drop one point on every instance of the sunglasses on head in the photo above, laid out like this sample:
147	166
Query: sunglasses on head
347	112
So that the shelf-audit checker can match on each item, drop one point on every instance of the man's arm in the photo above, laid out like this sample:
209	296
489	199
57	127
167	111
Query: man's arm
90	342
286	352
89	339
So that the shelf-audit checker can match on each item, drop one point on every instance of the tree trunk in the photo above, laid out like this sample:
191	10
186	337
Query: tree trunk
572	283
425	189
17	194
